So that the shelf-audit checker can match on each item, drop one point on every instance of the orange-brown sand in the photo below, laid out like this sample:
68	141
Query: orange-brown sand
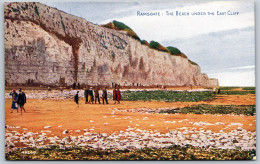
65	113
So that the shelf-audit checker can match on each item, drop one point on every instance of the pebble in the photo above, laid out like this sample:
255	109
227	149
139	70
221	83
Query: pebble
46	127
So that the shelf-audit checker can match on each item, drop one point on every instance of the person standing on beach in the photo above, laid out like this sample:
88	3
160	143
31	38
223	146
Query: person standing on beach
14	100
114	95
118	95
104	95
86	95
90	96
74	86
97	95
76	98
21	100
218	91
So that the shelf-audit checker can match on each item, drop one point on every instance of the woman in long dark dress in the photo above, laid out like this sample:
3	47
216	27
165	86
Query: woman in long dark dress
118	95
14	100
114	95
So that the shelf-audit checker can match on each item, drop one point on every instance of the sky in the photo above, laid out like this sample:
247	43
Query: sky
223	45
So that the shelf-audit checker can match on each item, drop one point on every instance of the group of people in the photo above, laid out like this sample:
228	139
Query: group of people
92	95
18	100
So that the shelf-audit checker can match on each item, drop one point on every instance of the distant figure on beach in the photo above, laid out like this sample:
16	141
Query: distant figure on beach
97	95
76	98
90	96
14	100
49	89
190	87
74	86
86	92
78	86
104	95
218	91
21	100
114	95
118	95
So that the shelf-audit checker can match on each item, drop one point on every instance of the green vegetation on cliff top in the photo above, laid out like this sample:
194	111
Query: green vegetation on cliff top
153	44
121	26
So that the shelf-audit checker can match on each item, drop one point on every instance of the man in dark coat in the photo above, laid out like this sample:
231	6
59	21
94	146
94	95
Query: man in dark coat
104	95
76	98
74	86
96	95
86	95
90	95
21	100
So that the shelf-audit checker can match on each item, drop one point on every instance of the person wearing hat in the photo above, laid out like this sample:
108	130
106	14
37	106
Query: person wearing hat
14	100
21	100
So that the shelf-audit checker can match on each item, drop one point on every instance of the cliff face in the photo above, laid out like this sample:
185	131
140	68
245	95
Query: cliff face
46	46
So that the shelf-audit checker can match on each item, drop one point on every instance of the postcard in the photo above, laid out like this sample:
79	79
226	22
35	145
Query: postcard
130	80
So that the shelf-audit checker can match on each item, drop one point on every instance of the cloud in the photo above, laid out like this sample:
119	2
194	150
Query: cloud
240	78
243	67
218	51
227	55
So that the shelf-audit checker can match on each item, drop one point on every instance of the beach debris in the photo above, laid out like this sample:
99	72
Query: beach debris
65	131
46	127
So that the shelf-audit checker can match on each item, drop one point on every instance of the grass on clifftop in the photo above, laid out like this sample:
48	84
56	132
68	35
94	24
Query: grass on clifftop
157	46
121	26
173	152
153	44
170	96
248	110
173	50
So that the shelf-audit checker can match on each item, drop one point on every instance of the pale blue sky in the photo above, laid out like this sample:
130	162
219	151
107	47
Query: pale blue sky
223	46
